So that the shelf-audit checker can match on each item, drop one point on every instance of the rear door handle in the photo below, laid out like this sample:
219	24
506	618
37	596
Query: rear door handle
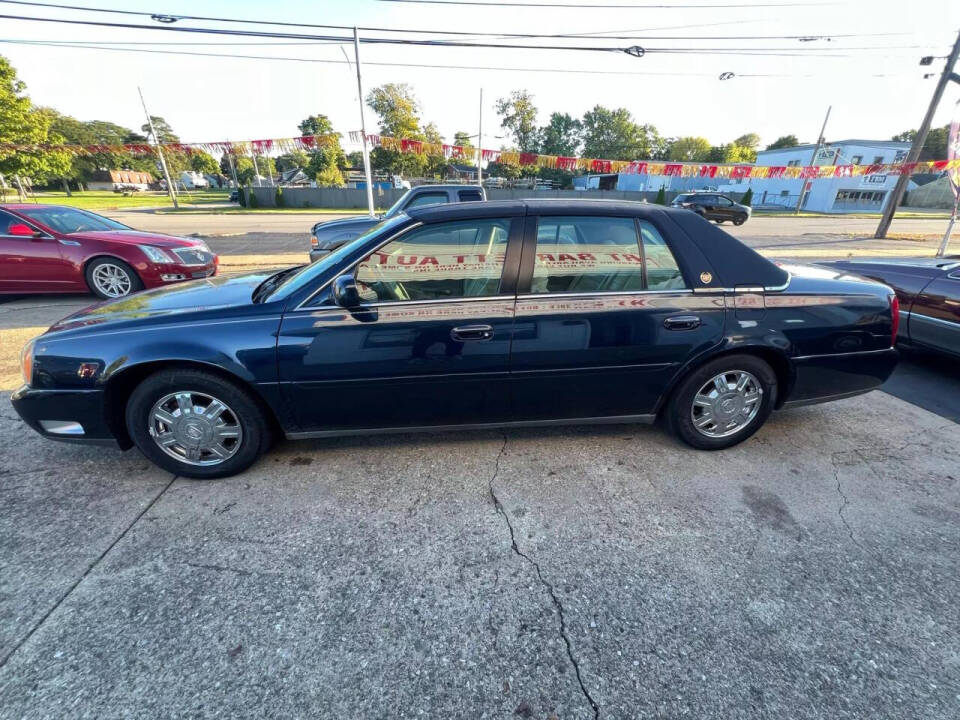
682	322
472	333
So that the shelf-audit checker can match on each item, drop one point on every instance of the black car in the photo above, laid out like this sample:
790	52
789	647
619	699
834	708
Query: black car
473	315
929	293
713	206
327	236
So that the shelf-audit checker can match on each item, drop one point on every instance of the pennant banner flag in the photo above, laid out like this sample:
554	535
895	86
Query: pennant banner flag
467	154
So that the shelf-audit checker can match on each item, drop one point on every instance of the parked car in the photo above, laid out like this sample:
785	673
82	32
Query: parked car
328	236
465	316
56	249
929	293
713	206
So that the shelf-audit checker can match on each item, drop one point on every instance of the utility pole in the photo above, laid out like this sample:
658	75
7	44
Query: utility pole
363	125
480	144
942	250
233	172
896	195
813	160
163	163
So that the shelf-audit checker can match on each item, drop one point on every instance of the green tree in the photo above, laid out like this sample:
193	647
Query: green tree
252	201
278	197
934	147
560	136
204	163
165	133
689	149
462	138
330	176
324	160
316	125
750	140
21	123
613	135
398	110
784	141
295	159
518	115
747	198
98	132
661	196
244	167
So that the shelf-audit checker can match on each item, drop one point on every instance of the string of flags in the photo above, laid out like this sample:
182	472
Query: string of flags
508	157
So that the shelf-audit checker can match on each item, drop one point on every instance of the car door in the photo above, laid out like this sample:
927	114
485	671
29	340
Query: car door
935	314
431	349
604	318
31	263
724	208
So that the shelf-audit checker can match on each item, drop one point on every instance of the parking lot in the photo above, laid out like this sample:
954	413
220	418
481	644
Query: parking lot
810	572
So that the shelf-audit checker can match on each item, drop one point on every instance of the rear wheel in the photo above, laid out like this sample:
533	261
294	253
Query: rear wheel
111	278
196	424
723	402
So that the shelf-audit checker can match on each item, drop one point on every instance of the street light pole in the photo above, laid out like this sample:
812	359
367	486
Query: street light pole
813	160
363	125
163	163
897	193
480	143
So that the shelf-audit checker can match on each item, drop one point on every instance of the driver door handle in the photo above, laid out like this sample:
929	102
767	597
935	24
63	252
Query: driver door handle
682	322
472	333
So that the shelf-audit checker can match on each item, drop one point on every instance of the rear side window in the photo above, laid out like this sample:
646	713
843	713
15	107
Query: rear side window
601	254
438	262
433	198
469	195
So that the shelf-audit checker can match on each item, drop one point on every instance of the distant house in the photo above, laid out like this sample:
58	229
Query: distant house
120	180
294	177
464	173
193	180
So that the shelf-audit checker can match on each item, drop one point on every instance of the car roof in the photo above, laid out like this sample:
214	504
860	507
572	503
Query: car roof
23	206
535	206
448	186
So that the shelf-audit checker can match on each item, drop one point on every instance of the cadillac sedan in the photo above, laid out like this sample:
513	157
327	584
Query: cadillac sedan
473	315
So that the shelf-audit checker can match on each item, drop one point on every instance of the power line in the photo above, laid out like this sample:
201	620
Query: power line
167	18
444	66
620	6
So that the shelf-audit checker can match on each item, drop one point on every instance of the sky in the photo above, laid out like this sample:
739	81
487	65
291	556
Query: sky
218	98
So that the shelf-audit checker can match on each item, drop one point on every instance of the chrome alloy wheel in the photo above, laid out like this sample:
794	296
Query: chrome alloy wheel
112	280
726	404
195	428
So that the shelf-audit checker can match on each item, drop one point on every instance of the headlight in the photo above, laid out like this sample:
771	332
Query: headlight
156	254
26	361
201	245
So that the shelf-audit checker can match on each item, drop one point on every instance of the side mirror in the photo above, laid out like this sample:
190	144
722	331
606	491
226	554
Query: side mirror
348	293
23	230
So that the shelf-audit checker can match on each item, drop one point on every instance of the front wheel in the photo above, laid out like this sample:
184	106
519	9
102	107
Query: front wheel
723	402
110	278
740	220
196	424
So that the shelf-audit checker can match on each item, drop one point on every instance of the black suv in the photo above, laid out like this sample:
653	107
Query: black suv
713	206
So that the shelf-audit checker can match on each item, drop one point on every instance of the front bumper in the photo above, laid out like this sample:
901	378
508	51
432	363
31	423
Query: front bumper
822	378
156	275
77	416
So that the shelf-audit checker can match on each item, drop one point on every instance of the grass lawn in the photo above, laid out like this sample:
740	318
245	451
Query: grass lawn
107	200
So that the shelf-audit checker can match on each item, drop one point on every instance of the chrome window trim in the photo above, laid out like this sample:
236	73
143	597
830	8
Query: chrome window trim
603	293
844	354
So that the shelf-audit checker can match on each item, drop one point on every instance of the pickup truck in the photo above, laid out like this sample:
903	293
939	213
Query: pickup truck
329	235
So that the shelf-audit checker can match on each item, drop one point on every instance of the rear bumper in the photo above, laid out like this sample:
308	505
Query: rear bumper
77	416
822	378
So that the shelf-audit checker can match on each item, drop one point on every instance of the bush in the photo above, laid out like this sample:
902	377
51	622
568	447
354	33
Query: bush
252	198
661	196
330	177
747	197
242	196
278	197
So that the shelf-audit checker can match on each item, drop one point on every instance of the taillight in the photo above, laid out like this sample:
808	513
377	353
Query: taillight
894	318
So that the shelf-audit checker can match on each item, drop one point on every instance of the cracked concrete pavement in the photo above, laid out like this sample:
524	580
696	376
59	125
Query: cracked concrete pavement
569	573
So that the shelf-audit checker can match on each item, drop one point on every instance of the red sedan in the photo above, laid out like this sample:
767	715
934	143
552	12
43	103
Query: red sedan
57	249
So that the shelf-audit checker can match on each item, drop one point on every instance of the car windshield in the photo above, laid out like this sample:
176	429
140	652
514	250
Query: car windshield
70	220
395	209
308	272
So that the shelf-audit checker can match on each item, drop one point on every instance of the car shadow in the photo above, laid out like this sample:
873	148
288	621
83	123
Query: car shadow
927	380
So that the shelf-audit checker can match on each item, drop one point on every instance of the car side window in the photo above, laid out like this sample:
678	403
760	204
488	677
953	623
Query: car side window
469	196
431	198
662	272
725	202
587	254
438	262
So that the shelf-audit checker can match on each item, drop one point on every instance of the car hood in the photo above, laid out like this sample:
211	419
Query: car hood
196	298
136	237
346	224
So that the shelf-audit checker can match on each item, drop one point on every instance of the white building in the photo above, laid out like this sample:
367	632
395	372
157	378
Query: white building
858	193
193	180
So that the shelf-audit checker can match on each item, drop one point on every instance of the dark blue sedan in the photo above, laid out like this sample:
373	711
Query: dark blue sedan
467	316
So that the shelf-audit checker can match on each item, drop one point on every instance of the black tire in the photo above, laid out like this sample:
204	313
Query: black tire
679	412
739	219
241	410
718	221
133	280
